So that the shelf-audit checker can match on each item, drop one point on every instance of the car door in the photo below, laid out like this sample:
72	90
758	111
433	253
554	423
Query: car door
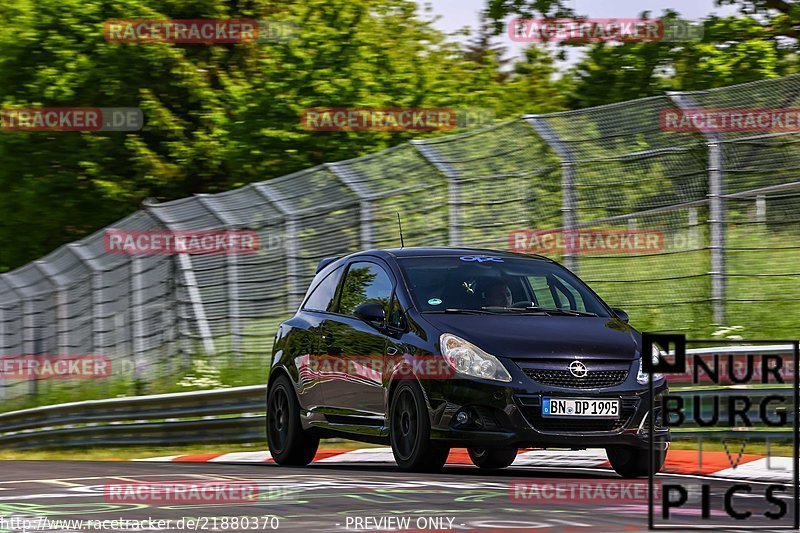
312	361
357	349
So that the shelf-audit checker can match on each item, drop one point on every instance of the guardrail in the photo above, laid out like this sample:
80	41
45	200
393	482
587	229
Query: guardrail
234	415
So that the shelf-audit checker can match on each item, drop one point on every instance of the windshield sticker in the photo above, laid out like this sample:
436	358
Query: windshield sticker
434	301
481	259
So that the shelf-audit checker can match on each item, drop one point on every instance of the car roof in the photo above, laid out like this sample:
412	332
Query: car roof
423	251
445	251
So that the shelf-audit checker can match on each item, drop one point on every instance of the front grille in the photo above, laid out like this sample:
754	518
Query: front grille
532	411
594	379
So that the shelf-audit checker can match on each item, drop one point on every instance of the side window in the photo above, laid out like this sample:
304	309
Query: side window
321	299
554	292
365	282
541	289
570	297
574	297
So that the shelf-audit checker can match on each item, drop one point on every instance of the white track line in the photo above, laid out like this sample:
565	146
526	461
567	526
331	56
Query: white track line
767	469
364	455
559	459
242	457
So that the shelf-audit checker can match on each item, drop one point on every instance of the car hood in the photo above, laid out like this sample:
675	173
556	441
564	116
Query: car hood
538	337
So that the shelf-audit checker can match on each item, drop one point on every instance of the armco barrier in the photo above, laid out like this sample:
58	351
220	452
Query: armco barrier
222	415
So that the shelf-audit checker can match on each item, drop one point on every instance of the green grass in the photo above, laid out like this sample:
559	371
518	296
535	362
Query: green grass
734	446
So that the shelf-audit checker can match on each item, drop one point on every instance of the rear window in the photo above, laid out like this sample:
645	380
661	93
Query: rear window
476	282
321	297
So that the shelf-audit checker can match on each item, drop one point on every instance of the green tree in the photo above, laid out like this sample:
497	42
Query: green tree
217	116
733	50
534	86
748	47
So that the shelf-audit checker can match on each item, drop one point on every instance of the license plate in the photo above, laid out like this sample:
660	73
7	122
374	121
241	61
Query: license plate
578	407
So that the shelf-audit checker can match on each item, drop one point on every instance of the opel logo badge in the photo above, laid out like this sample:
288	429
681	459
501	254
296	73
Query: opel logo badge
578	369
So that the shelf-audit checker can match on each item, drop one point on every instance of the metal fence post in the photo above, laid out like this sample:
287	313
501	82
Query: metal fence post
199	310
432	156
96	284
28	337
716	211
292	234
366	209
4	344
137	319
192	287
234	313
569	213
62	340
3	352
717	222
761	208
97	313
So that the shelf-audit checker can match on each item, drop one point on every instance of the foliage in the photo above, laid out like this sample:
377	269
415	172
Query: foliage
217	116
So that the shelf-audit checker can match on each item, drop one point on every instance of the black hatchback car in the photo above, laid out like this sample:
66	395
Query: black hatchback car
432	348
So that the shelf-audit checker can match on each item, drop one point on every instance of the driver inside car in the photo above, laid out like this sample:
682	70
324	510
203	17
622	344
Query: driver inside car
498	295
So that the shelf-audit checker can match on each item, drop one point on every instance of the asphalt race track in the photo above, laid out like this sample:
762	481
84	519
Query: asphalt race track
342	498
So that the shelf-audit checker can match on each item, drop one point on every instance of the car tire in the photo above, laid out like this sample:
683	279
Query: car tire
630	462
410	430
492	458
288	443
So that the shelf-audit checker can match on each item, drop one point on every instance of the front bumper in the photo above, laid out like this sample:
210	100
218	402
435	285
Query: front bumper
509	414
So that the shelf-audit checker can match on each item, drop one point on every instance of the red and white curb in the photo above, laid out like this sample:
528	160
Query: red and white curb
715	464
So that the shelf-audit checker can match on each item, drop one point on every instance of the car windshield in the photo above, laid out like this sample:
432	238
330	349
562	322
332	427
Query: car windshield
493	284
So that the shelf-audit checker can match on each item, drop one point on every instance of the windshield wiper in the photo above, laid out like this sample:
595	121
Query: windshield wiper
540	310
516	310
568	312
460	311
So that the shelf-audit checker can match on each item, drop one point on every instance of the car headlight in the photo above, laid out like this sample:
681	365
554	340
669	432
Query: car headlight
468	359
642	376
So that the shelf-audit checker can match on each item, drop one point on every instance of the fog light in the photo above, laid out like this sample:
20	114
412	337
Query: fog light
462	417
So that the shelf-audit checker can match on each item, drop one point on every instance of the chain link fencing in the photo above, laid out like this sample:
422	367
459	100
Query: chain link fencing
726	205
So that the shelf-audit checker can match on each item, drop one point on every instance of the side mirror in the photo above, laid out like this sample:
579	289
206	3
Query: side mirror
372	313
622	315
